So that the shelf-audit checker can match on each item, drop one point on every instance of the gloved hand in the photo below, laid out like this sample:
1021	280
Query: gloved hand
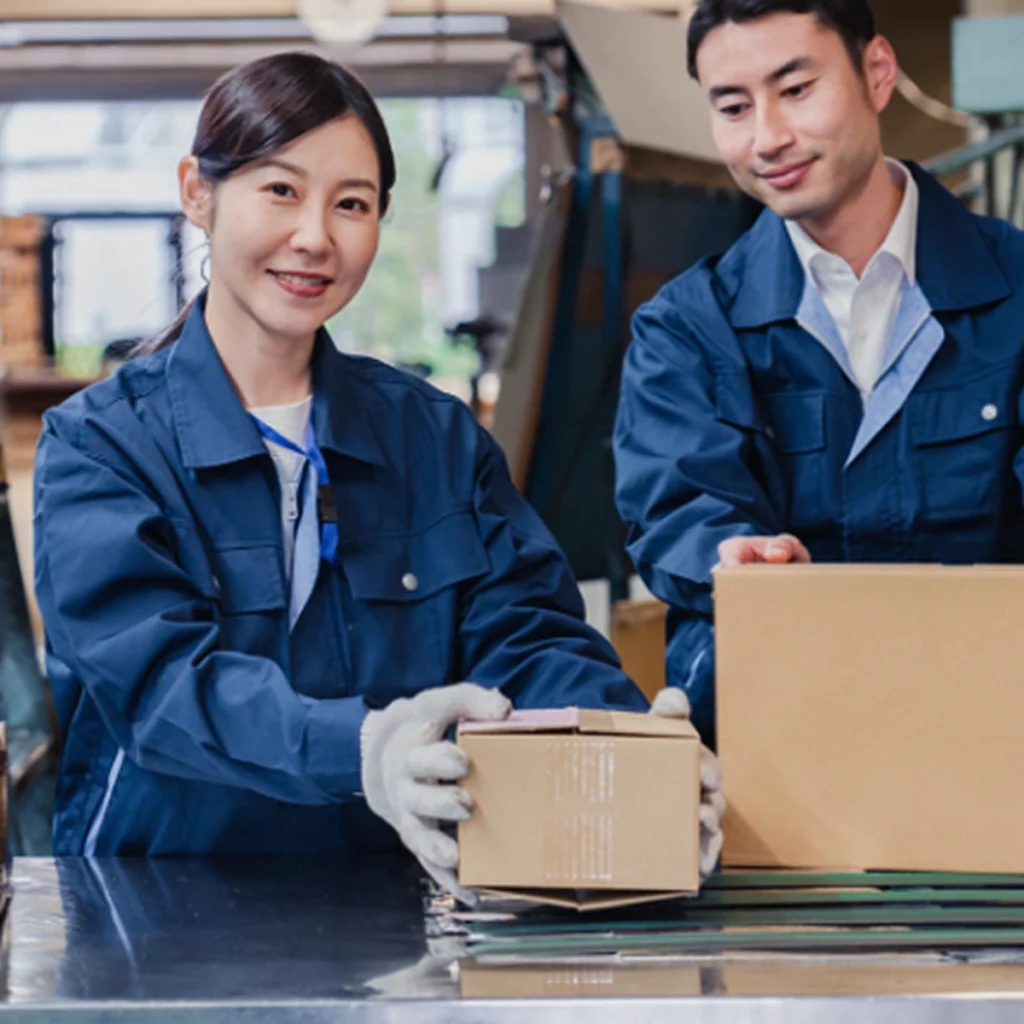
673	703
409	773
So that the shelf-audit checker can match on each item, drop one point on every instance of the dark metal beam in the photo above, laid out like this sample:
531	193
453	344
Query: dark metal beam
185	71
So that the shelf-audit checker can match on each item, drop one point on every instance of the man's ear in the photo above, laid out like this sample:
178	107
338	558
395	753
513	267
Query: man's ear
195	193
880	70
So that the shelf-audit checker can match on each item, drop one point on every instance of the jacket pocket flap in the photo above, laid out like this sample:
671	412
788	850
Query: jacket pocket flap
413	566
938	417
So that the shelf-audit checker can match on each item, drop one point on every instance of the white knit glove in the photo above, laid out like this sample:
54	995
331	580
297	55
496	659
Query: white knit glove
673	703
409	773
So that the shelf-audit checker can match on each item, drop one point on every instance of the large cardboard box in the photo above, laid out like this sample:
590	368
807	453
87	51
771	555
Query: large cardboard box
872	716
582	808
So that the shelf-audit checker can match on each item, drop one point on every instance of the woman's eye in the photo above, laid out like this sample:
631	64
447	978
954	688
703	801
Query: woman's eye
279	188
355	204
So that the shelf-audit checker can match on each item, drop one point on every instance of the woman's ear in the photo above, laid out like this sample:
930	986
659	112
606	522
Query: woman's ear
196	194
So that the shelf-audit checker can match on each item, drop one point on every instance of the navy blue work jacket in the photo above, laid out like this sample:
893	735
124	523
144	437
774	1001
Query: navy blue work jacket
193	722
739	415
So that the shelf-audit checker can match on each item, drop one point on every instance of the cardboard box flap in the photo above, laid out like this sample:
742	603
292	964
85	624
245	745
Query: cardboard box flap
651	100
540	720
631	723
584	900
585	720
903	570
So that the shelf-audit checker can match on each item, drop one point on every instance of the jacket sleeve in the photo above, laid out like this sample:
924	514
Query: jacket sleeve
522	626
143	641
689	475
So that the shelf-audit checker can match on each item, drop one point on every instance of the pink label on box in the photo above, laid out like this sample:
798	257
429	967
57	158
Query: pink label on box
538	720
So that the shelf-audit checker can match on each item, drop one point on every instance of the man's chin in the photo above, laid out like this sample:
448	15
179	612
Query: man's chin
792	206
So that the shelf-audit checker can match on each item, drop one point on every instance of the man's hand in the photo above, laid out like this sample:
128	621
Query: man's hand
753	550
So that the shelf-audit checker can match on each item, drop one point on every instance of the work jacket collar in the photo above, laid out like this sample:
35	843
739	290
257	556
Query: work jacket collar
955	268
213	426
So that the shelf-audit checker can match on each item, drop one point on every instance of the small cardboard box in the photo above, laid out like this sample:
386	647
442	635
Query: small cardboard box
638	636
582	808
869	716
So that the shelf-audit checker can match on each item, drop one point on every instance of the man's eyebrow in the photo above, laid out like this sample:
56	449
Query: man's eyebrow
796	64
717	92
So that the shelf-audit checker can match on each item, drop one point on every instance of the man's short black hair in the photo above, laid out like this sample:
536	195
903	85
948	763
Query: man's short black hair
852	19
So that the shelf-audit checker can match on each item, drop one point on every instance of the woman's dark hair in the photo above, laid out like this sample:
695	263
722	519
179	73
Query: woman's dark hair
266	104
851	19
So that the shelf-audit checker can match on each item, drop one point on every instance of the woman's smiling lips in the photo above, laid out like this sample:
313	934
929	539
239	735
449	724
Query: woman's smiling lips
301	283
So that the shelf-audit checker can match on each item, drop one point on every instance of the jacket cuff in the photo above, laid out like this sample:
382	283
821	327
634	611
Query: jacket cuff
333	757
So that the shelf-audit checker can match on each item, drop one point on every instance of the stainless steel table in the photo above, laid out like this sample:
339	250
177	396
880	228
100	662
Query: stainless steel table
313	939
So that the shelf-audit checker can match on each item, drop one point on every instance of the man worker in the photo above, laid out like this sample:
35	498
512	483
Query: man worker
842	385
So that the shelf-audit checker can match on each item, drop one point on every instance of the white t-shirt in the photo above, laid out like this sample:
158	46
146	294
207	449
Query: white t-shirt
289	421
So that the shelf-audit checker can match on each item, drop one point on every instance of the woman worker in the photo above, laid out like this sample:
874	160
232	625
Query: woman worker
263	564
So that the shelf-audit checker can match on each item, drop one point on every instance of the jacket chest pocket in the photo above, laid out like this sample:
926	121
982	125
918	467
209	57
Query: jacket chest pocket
796	425
403	612
963	443
790	427
248	586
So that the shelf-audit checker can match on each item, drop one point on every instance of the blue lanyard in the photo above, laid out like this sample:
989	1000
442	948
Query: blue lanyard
326	509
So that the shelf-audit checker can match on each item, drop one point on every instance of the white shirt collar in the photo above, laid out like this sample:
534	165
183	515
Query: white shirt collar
900	242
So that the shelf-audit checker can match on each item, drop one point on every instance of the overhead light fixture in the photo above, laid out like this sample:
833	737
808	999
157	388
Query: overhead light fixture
342	22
